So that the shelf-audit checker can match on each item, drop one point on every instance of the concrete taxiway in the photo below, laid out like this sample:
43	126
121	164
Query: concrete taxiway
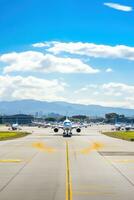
46	166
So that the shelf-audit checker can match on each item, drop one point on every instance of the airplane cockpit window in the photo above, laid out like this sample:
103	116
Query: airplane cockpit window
67	123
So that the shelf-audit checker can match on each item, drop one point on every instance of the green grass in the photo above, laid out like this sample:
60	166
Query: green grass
6	135
125	135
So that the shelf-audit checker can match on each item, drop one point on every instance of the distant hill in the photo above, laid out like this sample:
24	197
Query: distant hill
62	108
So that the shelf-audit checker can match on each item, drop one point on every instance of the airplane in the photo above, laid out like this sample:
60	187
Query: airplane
67	128
118	126
129	127
123	127
15	127
41	124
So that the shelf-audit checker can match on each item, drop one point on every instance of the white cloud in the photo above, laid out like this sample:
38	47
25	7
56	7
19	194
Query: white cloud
91	49
110	94
18	87
109	70
119	7
41	44
37	61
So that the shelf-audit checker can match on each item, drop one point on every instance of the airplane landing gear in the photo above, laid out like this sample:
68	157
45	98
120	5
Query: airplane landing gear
67	134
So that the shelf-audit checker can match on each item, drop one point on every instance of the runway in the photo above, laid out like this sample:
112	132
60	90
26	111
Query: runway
46	166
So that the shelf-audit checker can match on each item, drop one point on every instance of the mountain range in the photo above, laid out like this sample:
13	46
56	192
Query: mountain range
62	108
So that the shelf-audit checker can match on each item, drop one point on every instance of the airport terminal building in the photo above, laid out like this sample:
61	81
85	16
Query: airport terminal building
19	118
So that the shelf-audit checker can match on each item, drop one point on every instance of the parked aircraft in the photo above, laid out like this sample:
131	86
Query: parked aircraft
41	124
123	127
15	127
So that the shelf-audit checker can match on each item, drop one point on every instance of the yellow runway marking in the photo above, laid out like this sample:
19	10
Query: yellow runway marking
93	147
10	161
43	147
68	176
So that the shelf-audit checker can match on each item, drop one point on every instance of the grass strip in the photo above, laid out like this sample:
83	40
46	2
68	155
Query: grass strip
8	135
124	135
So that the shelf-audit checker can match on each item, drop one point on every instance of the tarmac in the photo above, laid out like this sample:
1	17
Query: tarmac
47	166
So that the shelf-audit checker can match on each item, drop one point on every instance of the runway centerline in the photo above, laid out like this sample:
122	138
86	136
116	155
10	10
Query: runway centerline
68	175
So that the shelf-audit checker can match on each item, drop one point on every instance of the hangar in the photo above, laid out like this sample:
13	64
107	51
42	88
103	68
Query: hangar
19	118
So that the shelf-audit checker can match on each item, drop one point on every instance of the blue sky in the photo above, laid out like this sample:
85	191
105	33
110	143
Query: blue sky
76	51
28	21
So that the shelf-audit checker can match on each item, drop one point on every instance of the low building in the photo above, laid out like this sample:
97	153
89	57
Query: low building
19	118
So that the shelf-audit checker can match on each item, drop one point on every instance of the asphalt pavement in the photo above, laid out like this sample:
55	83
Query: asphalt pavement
46	166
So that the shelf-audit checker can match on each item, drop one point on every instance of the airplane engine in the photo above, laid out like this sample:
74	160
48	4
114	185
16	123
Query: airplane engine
78	130
127	128
14	128
56	130
118	128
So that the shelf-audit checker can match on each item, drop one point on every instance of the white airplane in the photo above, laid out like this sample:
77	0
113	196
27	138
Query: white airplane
41	124
123	127
67	128
15	127
118	126
129	127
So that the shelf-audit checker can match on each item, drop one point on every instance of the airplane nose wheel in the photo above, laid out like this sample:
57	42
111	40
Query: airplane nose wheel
67	134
